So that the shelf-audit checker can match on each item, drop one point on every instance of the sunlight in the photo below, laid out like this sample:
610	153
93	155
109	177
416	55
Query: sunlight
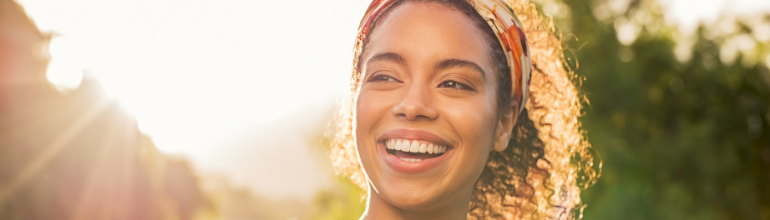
199	68
64	70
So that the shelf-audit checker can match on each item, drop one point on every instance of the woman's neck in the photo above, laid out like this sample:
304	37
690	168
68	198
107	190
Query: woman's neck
377	209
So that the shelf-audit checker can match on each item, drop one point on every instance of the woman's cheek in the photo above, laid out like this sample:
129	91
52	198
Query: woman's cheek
474	122
367	110
471	117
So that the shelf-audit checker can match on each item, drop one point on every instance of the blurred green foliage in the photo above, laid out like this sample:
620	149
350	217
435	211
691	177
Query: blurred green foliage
683	133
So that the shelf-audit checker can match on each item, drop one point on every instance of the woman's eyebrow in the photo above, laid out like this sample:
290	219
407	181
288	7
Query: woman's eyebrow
452	63
388	56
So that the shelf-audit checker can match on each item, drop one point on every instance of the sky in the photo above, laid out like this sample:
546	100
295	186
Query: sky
202	77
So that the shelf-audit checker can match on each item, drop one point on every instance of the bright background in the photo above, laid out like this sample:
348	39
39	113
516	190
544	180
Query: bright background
199	76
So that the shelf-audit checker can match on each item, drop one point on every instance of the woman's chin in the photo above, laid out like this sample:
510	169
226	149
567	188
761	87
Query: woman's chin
418	194
412	199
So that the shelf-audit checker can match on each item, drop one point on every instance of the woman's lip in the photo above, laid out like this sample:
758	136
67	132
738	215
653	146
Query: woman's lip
409	134
401	166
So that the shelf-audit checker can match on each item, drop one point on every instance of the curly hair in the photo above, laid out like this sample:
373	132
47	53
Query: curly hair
548	159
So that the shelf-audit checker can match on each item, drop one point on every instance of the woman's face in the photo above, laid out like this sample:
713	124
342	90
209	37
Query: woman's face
426	111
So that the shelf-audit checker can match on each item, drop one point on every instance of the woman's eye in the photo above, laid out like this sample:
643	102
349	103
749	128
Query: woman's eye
455	85
384	78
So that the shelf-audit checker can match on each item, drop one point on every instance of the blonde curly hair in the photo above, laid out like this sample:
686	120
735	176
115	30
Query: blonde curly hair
548	160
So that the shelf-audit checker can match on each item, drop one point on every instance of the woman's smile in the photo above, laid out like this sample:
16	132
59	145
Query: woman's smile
413	151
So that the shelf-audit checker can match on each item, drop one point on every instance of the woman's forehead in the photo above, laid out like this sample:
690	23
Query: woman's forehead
420	31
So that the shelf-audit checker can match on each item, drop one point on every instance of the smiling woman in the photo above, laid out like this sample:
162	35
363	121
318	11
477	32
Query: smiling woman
443	123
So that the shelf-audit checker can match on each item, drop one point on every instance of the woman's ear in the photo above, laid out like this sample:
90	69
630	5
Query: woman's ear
505	126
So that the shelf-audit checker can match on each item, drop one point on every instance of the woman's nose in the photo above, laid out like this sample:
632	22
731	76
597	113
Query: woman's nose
415	104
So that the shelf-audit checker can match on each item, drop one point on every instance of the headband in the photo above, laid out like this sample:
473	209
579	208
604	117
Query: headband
506	27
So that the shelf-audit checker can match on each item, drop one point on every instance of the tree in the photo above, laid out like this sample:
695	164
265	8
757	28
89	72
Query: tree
681	135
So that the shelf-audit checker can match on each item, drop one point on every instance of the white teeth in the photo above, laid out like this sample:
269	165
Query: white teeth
439	149
411	160
415	148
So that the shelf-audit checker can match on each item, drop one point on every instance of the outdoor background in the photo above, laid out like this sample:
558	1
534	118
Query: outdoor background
220	109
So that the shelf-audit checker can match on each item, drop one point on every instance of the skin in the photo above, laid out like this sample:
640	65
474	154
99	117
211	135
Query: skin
405	86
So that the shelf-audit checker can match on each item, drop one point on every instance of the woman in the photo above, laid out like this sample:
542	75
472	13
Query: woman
444	121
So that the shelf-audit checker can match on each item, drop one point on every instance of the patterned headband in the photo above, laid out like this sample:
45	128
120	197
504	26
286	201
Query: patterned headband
503	22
